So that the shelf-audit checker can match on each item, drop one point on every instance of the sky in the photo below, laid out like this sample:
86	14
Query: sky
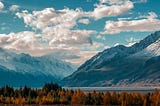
75	30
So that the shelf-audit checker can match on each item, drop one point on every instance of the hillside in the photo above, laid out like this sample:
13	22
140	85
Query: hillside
138	65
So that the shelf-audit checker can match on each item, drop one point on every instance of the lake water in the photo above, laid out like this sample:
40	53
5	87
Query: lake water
117	89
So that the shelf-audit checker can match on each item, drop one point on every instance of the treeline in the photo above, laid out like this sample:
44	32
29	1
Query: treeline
53	94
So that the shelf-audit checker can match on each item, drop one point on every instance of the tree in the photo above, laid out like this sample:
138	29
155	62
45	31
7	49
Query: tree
88	99
107	99
115	100
51	87
78	97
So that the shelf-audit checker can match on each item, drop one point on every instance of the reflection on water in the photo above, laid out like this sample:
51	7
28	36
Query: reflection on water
117	89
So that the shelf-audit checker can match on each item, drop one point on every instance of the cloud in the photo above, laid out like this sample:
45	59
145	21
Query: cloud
56	26
3	28
131	41
115	8
30	42
111	2
150	15
106	47
19	41
100	37
84	21
50	17
1	6
83	56
140	1
147	23
130	44
72	38
14	7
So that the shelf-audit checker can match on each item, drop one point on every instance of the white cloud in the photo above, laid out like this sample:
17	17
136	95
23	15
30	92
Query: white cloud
84	21
27	42
106	47
150	15
131	41
83	56
102	10
72	38
130	44
143	1
111	2
140	1
19	41
148	23
50	17
100	37
14	7
3	28
1	6
56	26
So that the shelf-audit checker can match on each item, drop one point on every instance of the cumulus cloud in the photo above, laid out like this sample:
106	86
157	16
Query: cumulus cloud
115	8
27	42
14	7
1	6
148	23
84	21
19	41
50	17
56	26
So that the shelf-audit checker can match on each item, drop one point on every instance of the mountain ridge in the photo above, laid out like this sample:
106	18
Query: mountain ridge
22	69
117	66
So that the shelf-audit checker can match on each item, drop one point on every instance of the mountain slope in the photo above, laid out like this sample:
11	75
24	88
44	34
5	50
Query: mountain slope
121	66
23	69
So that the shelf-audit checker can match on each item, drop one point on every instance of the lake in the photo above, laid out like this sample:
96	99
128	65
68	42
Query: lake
112	89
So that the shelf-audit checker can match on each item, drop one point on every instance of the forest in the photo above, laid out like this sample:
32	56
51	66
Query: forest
53	94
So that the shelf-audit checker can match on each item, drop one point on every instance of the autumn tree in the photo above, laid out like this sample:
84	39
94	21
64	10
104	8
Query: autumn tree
107	99
78	97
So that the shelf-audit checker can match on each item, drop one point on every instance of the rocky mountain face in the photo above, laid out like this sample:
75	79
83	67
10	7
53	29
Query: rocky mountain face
23	69
138	65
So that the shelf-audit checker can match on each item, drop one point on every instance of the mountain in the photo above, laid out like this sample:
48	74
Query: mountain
138	65
23	69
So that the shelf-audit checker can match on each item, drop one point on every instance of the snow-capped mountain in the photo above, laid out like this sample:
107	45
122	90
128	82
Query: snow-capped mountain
26	68
138	65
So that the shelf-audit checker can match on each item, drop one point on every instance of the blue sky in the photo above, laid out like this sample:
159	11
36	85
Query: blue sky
75	30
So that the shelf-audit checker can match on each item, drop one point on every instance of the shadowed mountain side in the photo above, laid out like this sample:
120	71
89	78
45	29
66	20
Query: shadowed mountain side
137	65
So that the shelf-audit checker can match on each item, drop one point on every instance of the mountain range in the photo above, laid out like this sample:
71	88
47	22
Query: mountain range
22	69
137	65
